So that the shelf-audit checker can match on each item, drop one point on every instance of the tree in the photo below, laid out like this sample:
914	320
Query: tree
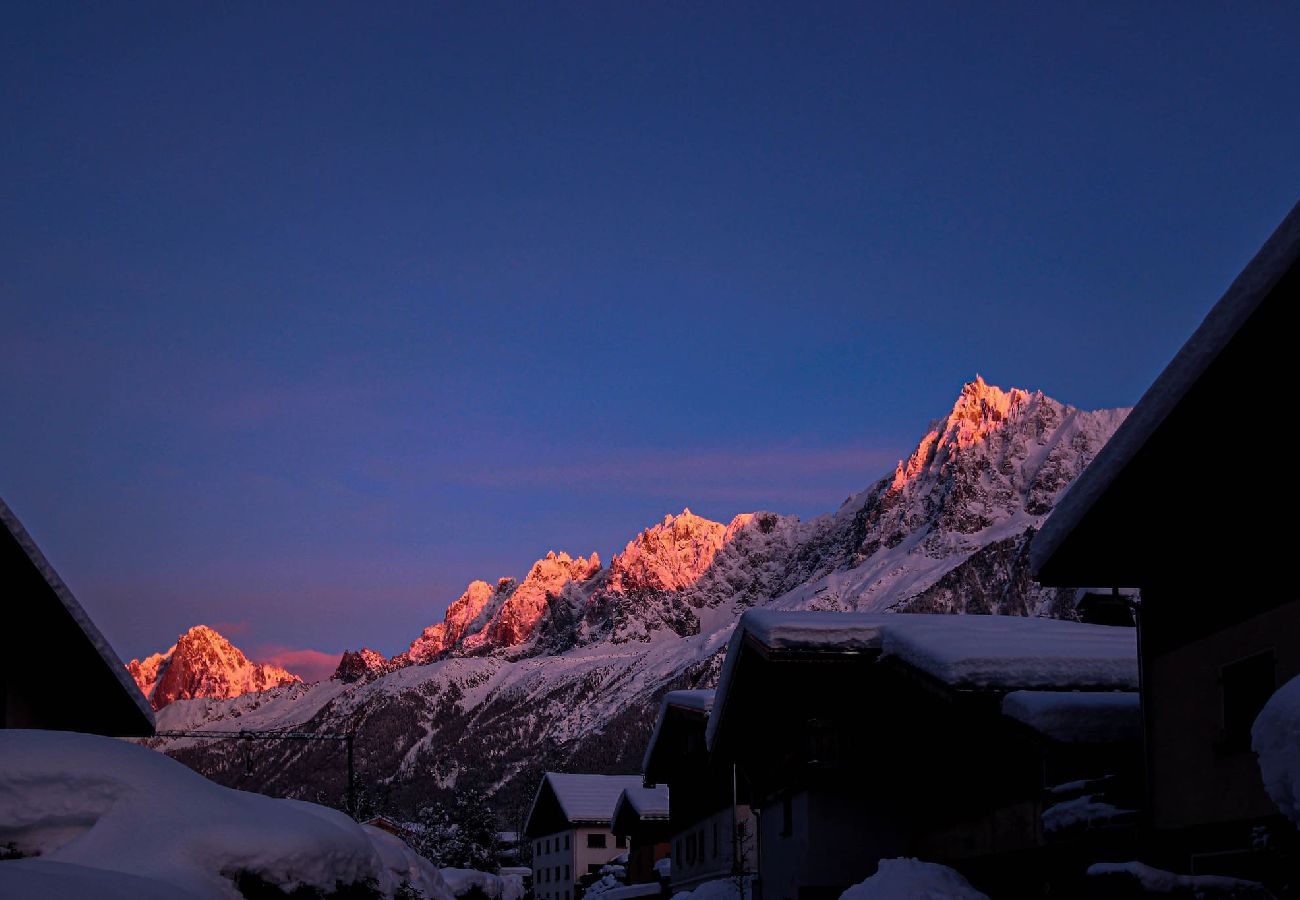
459	833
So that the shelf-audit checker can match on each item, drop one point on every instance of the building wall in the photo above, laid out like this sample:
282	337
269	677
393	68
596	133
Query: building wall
834	841
1184	709
553	875
561	859
587	856
705	850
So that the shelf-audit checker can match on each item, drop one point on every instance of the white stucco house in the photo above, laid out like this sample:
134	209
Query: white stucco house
568	827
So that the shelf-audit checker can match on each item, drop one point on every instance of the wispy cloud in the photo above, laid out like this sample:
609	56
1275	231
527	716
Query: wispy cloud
307	664
797	474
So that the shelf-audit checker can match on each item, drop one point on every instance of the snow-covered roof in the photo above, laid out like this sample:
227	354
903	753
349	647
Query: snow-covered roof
136	716
645	803
1078	717
965	652
582	798
699	701
1012	653
1243	297
797	632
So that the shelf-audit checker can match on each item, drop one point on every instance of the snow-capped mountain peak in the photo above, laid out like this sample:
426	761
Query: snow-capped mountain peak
202	663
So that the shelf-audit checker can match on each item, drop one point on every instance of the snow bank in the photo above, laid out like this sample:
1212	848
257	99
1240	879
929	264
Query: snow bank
664	867
1012	653
1158	881
719	889
1078	717
495	887
911	879
1082	811
1275	737
124	813
629	891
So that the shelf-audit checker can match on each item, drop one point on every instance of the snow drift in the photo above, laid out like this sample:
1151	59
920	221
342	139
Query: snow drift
107	817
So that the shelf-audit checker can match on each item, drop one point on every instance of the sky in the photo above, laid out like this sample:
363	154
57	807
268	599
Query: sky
312	313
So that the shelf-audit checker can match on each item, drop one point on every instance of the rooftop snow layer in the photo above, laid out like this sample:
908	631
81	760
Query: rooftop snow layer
589	798
700	701
1011	653
963	651
74	609
1255	283
647	803
1078	717
809	631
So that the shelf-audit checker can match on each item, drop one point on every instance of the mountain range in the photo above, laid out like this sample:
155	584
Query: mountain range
563	669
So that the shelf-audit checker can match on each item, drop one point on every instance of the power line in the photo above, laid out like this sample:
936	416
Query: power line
252	735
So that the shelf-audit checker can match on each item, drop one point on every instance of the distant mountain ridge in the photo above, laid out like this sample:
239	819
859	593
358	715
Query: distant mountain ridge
202	663
565	667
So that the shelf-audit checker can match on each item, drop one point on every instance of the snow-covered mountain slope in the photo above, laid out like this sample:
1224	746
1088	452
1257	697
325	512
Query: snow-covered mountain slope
202	663
565	668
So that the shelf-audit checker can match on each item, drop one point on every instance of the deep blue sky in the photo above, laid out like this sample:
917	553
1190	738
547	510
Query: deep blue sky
312	313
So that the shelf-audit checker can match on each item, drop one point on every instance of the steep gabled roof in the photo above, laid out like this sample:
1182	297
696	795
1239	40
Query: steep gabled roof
1072	544
637	806
567	799
107	700
677	704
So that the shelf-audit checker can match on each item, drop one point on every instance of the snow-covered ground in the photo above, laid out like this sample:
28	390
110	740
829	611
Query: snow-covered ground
911	879
108	818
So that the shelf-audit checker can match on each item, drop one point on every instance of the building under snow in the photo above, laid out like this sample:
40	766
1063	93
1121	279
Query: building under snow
569	827
56	670
1190	502
642	814
713	830
955	739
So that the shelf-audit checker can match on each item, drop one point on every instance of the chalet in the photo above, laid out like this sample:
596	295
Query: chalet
569	827
1189	502
712	830
56	670
641	814
861	737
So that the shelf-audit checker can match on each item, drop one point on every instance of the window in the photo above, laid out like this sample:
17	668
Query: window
539	848
1246	686
557	873
690	849
596	839
566	842
594	868
620	841
548	845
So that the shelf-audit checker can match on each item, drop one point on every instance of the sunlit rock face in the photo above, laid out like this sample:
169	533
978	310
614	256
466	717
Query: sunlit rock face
202	663
669	556
523	609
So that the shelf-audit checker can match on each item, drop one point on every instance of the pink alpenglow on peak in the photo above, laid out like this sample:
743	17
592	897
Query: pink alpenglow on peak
980	409
672	555
202	663
519	614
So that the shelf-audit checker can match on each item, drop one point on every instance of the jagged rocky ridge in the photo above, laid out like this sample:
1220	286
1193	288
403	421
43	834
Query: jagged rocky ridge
563	669
202	663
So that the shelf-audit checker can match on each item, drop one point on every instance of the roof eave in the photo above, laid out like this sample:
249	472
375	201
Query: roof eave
1225	319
